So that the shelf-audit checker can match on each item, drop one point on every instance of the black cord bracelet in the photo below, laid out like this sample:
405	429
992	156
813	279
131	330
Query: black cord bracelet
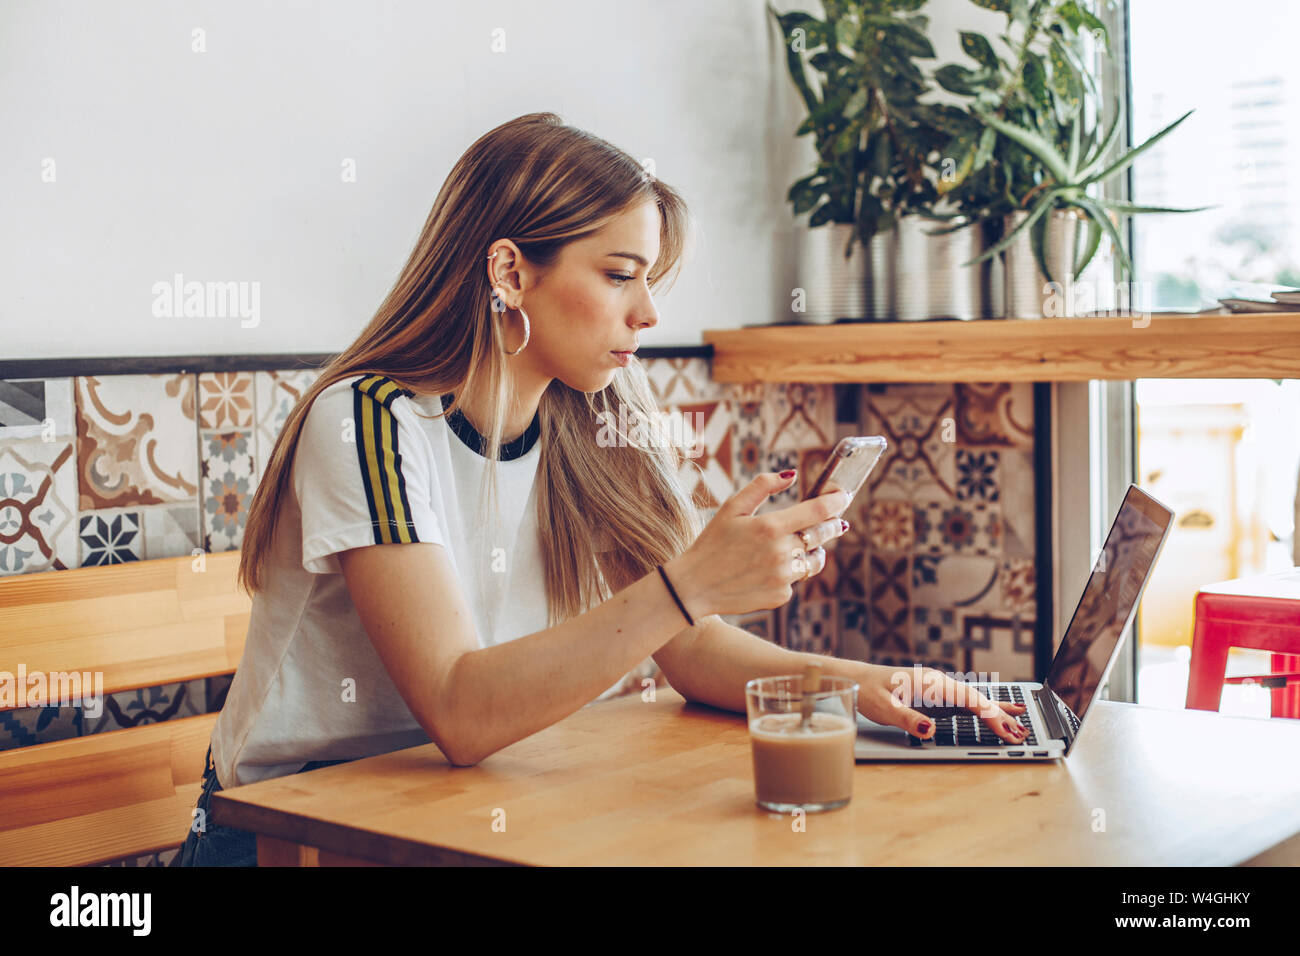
673	591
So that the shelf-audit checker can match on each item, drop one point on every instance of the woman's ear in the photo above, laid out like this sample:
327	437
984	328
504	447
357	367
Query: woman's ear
509	273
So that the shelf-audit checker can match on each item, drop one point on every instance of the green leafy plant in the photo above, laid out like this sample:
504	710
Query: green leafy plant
1027	138
856	73
1039	84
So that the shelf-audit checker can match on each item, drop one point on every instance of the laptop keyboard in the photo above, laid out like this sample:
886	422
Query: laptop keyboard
959	727
1074	721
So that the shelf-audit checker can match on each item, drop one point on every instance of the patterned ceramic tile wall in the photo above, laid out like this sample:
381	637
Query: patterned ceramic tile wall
38	476
137	466
225	456
687	394
274	396
107	469
950	527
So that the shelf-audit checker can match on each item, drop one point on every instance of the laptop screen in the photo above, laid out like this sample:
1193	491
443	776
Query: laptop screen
1109	600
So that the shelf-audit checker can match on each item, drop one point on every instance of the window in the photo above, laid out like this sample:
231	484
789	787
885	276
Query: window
1239	71
1224	454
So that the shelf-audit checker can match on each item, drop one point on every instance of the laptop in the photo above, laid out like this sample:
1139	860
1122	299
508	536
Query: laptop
1056	708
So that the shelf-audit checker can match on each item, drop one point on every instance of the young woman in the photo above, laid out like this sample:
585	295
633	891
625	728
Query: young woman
456	541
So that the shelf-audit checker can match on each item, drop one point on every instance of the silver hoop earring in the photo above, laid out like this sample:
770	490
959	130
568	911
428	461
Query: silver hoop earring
527	325
527	331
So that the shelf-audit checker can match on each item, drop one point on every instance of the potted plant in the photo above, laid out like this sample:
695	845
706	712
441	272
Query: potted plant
856	73
1033	152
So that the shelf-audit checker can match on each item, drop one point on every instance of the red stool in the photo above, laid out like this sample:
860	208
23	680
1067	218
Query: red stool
1262	612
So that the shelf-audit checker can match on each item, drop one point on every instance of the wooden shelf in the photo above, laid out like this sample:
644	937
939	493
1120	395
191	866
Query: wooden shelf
1013	350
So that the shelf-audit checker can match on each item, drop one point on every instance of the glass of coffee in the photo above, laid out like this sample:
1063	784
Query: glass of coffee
802	762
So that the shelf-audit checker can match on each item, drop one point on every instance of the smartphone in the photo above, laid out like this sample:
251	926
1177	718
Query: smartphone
849	465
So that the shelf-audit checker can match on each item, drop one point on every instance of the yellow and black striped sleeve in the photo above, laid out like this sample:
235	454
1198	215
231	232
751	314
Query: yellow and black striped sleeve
380	459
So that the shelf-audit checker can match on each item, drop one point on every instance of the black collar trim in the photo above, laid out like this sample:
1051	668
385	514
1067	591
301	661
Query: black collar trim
476	443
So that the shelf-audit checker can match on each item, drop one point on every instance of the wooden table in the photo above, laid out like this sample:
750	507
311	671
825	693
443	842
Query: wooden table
630	782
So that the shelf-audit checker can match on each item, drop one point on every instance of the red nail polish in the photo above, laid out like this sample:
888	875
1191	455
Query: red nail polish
788	474
923	727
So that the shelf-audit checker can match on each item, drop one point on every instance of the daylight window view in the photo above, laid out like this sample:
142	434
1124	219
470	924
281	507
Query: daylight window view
1224	454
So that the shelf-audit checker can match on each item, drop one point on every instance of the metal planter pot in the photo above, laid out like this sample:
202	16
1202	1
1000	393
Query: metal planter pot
881	277
1027	292
929	279
903	273
834	286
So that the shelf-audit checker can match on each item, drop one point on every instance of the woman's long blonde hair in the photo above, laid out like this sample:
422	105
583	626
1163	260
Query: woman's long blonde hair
540	184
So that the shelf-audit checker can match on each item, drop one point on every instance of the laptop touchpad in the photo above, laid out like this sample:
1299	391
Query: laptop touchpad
881	733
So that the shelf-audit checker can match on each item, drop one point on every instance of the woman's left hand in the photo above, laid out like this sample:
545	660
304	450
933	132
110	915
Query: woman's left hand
886	695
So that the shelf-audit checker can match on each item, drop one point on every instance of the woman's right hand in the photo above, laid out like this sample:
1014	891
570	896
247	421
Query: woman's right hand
743	562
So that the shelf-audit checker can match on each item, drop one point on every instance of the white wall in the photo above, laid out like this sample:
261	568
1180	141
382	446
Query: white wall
225	165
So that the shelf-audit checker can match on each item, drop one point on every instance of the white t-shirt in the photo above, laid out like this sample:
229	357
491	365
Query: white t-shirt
369	470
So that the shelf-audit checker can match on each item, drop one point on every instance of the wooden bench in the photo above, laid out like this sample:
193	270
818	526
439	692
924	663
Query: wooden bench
120	793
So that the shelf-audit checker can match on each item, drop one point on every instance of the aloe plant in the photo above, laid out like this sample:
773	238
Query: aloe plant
1068	177
1038	82
1024	137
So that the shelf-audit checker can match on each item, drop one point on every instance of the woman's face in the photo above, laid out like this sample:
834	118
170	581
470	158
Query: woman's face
592	302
